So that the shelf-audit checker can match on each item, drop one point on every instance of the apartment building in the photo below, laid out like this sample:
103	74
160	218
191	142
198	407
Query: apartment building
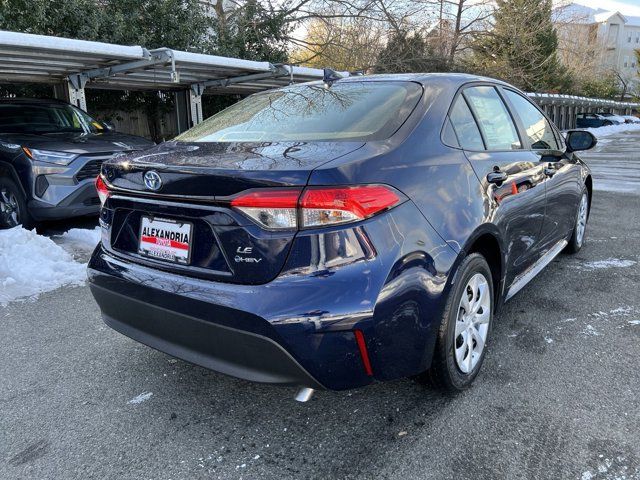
608	38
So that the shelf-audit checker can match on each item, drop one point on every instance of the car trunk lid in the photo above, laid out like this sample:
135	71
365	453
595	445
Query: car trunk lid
196	184
218	170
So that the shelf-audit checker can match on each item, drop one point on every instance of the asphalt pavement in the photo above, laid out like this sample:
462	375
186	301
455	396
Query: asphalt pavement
558	396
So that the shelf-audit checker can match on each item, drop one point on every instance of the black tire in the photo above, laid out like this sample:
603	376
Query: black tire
576	241
445	372
13	205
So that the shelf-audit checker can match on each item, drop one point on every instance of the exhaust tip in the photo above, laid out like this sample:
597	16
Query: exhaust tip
304	394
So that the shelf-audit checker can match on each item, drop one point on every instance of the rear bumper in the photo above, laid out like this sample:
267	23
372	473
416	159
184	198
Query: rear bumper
249	332
300	327
227	350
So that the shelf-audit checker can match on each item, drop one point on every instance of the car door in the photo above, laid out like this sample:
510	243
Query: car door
511	176
563	179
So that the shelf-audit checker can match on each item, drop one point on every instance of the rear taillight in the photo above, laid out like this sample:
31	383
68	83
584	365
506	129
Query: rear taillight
280	209
330	206
103	191
274	209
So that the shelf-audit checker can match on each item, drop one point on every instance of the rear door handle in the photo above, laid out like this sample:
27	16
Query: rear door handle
496	176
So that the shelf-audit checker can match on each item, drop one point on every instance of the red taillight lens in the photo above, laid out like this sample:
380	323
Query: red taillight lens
274	209
315	206
103	191
330	206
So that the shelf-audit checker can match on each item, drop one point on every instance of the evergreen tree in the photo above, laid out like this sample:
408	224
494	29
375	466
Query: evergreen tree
253	32
405	53
522	47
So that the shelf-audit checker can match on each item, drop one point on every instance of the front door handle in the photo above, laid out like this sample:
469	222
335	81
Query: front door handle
497	176
550	170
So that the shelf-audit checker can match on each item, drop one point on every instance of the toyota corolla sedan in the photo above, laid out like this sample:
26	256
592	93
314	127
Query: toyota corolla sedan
332	235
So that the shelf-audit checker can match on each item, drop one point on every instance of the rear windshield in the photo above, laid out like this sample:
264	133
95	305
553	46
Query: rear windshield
345	111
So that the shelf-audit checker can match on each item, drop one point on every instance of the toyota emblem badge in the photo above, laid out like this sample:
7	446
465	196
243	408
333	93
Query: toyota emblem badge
152	180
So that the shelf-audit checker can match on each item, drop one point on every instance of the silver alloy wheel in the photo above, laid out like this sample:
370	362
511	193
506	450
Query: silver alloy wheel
9	209
581	222
472	324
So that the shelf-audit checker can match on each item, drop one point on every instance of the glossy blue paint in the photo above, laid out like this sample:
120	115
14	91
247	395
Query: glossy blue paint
388	276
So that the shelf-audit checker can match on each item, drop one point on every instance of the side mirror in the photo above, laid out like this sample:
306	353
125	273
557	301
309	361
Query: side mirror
580	140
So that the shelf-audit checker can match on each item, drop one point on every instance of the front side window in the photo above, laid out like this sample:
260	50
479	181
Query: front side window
41	119
536	126
352	110
497	127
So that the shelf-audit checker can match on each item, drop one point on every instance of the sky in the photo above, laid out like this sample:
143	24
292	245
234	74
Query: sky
625	7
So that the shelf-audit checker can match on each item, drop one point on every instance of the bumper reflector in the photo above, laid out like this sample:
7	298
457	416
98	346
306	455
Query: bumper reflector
362	346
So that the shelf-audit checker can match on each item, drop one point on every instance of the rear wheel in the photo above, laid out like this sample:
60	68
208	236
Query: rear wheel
577	237
13	206
465	328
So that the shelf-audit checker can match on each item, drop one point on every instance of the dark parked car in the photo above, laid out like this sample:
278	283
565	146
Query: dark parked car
331	236
50	154
597	120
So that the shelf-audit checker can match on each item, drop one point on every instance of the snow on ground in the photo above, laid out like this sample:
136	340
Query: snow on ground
79	241
31	264
602	132
143	397
608	263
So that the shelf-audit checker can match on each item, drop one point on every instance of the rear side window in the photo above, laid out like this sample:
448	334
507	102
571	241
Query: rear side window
536	126
349	110
465	126
496	124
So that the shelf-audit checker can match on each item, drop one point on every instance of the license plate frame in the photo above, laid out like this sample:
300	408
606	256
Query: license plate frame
164	249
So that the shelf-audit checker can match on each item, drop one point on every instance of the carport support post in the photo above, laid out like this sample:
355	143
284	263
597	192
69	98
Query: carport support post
195	97
75	87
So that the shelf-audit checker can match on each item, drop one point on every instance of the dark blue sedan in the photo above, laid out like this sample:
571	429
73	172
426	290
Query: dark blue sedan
332	235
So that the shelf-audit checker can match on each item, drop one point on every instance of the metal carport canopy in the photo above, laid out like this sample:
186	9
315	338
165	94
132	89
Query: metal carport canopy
28	58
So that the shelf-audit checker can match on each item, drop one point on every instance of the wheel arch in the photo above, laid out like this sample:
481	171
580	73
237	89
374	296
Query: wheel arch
486	240
8	170
588	182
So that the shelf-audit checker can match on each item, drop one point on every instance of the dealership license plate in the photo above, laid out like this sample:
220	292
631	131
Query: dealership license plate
165	239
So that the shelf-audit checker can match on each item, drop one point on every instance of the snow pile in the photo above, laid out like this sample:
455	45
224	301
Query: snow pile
602	132
31	264
79	239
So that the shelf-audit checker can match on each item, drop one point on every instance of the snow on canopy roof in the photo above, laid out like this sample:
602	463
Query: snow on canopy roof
37	58
29	58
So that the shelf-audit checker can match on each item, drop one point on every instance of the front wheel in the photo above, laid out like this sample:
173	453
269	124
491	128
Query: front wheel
464	331
13	207
577	236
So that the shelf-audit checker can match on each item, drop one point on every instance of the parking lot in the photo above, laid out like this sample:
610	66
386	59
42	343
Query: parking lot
558	396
